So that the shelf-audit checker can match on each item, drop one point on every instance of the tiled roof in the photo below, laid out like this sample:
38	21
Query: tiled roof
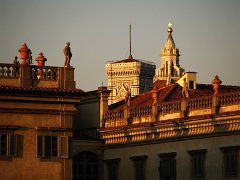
145	99
127	60
28	90
172	92
160	83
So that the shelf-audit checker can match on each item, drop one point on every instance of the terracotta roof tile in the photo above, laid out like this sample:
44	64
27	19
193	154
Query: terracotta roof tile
127	61
172	92
28	90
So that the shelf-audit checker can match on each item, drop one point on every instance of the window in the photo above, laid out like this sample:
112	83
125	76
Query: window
11	145
3	145
113	168
167	167
139	167
198	163
85	166
52	146
191	84
231	159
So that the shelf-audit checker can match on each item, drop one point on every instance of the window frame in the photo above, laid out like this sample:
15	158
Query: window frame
230	171
13	145
139	163
200	155
62	146
166	158
112	168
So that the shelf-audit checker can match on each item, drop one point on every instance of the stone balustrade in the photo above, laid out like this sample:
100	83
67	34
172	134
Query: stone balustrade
9	70
114	115
44	72
169	107
229	98
141	111
225	102
200	103
36	76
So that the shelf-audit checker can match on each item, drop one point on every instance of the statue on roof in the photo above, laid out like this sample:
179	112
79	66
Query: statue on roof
185	89
29	59
16	66
128	98
68	55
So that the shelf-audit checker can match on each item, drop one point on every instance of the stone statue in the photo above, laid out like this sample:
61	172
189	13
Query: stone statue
67	53
128	98
29	59
15	61
185	89
16	65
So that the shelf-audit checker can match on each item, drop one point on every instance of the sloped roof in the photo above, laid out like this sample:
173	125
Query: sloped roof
145	99
127	61
29	90
170	42
172	92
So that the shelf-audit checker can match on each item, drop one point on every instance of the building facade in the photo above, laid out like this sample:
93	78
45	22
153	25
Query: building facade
174	133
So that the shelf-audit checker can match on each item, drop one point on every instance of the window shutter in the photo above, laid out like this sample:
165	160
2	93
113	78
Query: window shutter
174	168
161	169
63	146
19	144
40	146
3	145
12	148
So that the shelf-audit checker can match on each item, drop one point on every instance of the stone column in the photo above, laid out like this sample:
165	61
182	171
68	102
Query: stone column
155	93
25	76
66	77
104	94
184	108
215	105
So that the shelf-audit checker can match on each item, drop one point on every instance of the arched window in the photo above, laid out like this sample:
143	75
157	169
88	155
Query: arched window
172	69
85	166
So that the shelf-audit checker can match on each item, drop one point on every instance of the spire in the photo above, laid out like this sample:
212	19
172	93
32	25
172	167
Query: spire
130	42
170	42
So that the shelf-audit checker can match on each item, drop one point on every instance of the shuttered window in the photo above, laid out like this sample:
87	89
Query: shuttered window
52	146
231	160
11	145
139	167
167	166
113	168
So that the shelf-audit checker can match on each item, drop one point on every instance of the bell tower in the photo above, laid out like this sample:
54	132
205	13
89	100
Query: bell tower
129	74
169	69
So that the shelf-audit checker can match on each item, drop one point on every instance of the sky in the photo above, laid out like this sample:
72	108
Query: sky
205	31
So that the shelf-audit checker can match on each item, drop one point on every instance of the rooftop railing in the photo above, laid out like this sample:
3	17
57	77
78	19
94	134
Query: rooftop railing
185	105
200	103
44	72
229	98
9	70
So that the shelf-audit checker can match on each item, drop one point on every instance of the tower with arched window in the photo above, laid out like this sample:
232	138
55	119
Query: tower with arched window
169	69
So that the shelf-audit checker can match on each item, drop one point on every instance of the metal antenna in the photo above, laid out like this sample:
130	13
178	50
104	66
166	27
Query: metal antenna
130	39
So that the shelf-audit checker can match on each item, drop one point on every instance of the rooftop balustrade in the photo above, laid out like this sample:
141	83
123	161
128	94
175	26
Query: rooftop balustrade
192	107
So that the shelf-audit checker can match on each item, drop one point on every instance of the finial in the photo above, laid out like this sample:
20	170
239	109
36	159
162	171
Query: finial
41	59
170	27
216	84
155	93
24	53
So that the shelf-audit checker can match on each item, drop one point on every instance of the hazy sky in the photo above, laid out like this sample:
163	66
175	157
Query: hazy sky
205	31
